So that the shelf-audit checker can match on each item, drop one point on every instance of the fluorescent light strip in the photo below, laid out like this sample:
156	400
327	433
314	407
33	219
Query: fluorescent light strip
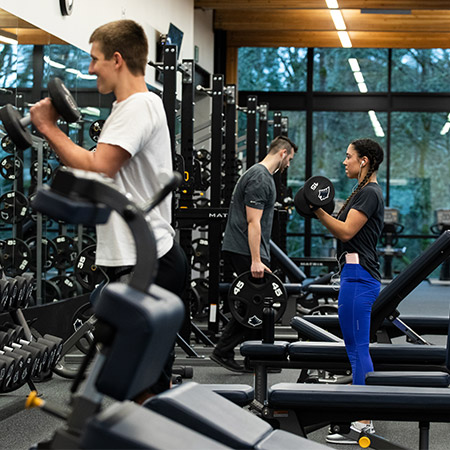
376	124
445	128
54	64
354	64
7	40
338	20
362	87
332	4
358	77
345	39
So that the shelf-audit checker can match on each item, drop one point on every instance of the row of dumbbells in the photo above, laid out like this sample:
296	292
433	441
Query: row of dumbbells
16	292
22	360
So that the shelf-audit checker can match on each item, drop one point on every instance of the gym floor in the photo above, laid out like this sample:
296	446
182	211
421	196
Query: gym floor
20	429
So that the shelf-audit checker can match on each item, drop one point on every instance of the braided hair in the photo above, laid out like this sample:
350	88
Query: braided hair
374	153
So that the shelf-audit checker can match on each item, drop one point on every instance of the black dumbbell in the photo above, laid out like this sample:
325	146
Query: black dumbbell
9	365
15	124
4	294
37	354
59	346
317	192
26	365
20	371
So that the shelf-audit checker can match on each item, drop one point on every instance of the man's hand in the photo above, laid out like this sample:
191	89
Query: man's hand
44	115
258	269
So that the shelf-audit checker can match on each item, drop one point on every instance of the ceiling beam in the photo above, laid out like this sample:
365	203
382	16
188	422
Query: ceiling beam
360	39
315	20
321	4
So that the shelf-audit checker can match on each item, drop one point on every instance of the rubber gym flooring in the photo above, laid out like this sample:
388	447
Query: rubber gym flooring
20	429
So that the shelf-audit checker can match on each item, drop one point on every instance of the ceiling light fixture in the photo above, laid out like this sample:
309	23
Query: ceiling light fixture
354	64
8	38
345	39
338	20
332	4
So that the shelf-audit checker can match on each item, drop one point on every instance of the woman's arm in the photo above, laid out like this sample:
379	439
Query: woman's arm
344	231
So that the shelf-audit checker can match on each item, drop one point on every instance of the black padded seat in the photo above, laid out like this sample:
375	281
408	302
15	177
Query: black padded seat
128	425
200	409
282	440
240	394
381	353
330	402
419	379
308	330
259	350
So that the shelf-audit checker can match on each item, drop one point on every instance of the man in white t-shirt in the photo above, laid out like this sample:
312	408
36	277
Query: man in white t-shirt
133	149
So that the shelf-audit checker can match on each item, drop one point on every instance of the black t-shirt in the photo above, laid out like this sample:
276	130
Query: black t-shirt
370	202
256	189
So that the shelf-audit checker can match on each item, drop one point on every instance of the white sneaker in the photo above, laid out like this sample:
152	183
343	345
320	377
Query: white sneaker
337	438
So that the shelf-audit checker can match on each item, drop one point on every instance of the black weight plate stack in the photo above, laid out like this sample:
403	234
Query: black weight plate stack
200	255
13	207
247	294
86	272
68	286
95	129
14	256
66	252
48	253
11	167
8	145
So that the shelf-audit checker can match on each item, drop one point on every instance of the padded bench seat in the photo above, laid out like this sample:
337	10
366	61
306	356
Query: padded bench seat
381	353
329	402
240	394
202	410
259	350
419	379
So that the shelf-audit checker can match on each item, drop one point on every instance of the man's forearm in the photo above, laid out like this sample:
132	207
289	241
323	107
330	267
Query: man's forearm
254	241
69	153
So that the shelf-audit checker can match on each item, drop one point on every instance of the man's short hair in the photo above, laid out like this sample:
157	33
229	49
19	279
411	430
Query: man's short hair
281	142
126	37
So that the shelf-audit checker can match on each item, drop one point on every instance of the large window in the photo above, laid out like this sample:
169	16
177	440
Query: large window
350	70
420	70
272	69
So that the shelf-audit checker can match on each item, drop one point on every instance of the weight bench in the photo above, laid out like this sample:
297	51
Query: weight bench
202	410
305	406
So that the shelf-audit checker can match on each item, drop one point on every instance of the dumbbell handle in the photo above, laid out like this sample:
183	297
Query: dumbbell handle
26	120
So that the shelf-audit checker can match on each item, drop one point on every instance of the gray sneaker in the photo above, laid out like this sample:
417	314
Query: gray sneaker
357	427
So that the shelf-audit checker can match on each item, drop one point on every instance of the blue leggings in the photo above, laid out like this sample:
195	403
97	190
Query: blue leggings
357	293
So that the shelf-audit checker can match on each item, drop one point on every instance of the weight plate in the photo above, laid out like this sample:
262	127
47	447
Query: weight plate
247	294
8	145
63	101
50	292
11	167
4	294
13	207
86	241
200	255
68	286
199	304
86	272
46	169
66	252
20	135
95	129
203	156
48	253
318	191
14	256
81	315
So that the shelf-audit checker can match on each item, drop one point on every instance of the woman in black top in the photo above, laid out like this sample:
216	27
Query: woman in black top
358	227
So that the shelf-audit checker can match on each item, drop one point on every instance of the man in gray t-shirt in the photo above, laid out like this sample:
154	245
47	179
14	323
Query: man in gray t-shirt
246	242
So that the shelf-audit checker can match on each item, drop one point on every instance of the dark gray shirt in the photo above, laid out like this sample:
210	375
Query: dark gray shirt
256	189
371	203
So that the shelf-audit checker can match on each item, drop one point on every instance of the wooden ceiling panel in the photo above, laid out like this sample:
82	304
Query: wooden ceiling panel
321	4
381	23
360	39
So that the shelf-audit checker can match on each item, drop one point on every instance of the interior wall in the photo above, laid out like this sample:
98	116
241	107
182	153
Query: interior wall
204	38
154	15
